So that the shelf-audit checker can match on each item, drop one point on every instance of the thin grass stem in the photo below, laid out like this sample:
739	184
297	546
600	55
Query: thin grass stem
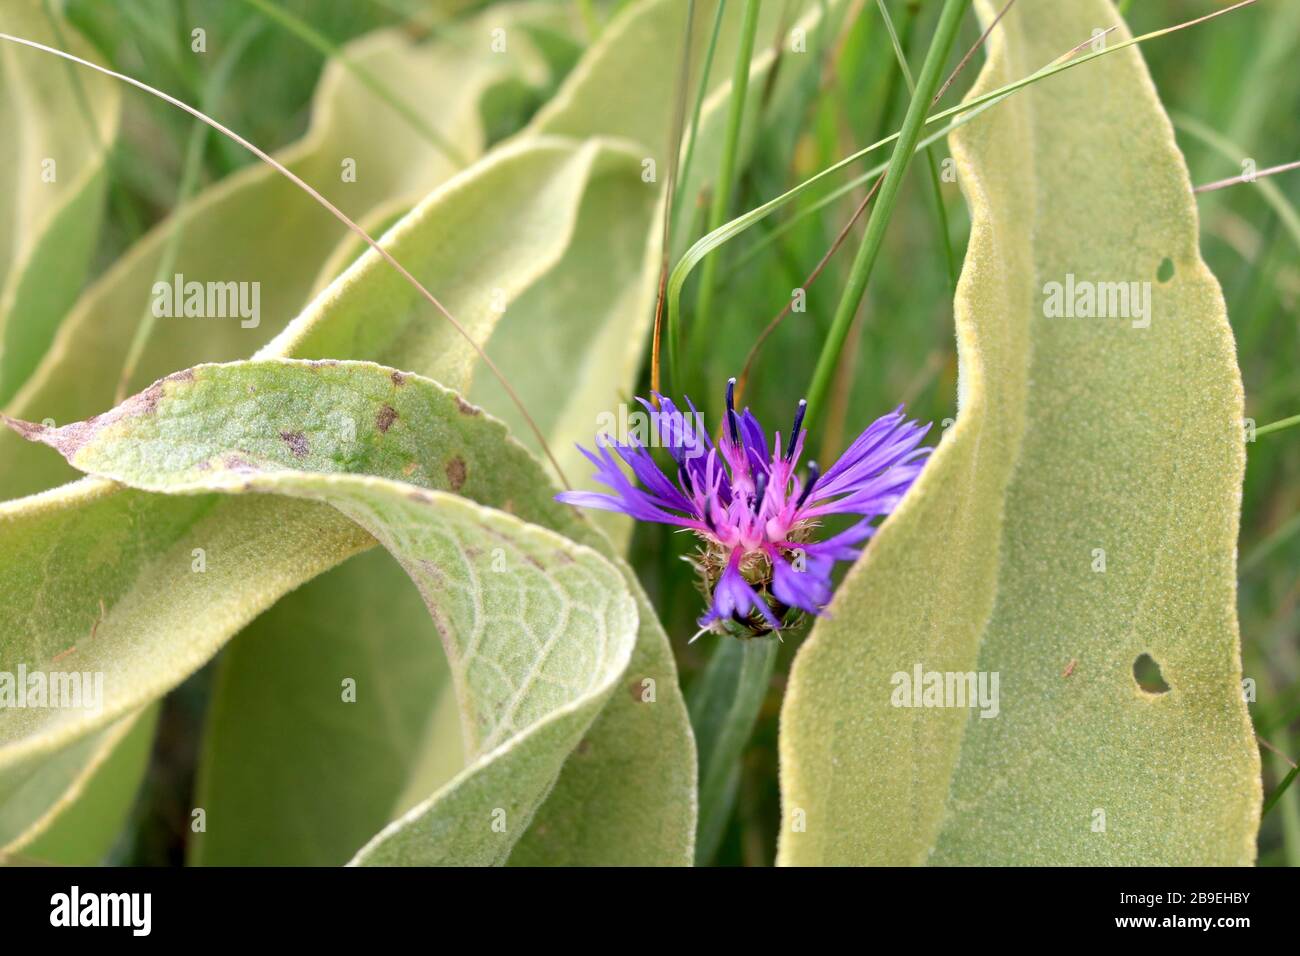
859	274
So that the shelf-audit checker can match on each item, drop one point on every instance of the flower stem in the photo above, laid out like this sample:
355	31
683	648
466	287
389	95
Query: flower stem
904	146
724	706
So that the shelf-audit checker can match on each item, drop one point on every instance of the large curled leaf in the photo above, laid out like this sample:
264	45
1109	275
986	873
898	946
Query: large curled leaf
257	227
537	189
283	671
219	428
34	794
1082	512
544	188
516	247
601	809
56	129
83	822
537	628
538	632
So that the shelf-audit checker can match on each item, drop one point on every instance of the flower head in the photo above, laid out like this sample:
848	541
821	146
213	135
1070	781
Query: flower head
756	516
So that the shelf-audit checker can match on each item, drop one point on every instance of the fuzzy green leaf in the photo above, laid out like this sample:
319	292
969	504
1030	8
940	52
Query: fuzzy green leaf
335	776
257	227
57	126
1079	444
235	428
223	236
521	246
82	825
537	628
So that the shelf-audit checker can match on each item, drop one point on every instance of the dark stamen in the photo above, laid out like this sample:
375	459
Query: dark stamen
813	474
794	432
760	488
731	411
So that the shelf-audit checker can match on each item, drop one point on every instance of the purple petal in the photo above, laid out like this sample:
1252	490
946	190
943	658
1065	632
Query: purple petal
651	476
627	498
808	589
885	443
751	432
732	595
876	496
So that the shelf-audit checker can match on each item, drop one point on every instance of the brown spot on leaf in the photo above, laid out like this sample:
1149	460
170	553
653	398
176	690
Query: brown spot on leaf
146	403
422	497
398	379
456	473
466	408
384	420
297	443
409	468
238	463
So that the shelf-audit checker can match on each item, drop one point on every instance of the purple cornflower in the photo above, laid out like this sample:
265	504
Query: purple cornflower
753	514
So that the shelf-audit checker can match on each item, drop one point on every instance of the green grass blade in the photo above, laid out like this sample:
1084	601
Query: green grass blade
683	174
697	252
722	189
931	75
1270	544
941	211
1276	795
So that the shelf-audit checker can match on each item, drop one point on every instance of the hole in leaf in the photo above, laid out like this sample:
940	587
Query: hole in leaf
1165	271
1147	674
